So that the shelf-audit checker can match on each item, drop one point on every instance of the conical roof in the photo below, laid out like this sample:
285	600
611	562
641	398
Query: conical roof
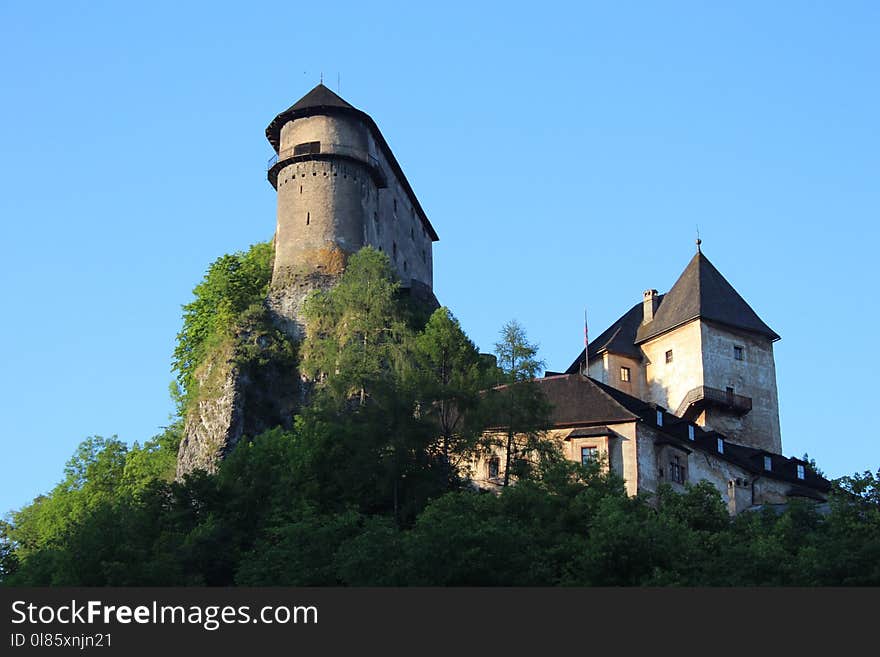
319	100
320	96
702	292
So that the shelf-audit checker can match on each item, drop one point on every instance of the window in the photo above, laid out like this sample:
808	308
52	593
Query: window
624	374
659	418
690	432
676	470
588	455
721	445
738	352
394	249
307	148
395	205
768	463
669	356
494	466
800	471
308	218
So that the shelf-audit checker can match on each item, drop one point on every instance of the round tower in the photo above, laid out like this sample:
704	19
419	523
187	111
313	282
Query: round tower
327	182
339	188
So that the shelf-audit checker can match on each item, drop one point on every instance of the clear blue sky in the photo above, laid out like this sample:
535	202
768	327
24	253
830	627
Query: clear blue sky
564	153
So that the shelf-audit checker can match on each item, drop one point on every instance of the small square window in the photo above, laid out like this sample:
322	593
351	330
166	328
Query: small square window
738	352
800	472
588	455
669	356
624	374
768	463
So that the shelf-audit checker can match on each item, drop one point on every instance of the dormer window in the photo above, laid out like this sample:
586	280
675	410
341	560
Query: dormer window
721	445
768	463
691	432
800	471
659	418
669	356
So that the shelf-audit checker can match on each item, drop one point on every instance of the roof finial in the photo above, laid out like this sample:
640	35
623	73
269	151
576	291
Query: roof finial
699	241
322	77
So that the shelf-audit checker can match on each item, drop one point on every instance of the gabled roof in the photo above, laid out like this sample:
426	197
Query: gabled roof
619	338
577	400
702	292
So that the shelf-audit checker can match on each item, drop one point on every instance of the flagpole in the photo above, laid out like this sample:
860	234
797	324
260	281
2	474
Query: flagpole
586	345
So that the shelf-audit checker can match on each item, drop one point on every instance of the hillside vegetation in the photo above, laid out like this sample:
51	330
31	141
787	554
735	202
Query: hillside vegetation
368	484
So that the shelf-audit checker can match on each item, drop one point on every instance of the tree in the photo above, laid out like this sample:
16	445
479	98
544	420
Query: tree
449	375
363	435
356	333
8	557
232	284
521	409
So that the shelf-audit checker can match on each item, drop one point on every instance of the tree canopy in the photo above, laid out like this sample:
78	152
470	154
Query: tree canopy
369	485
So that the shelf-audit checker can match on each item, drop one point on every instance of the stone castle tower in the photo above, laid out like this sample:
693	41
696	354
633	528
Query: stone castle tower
339	188
698	351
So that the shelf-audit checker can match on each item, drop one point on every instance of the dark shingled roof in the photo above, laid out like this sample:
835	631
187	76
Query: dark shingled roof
591	432
320	96
702	292
321	100
619	338
577	400
583	401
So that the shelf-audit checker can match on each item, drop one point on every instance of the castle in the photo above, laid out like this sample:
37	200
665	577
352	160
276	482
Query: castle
681	388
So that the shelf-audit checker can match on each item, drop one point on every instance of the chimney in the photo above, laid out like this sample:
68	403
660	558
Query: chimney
649	306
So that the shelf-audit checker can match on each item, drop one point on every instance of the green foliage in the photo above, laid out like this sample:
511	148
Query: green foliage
519	407
232	284
356	332
364	487
450	375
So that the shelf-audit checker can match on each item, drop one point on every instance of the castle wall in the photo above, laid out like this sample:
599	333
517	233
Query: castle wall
398	230
321	210
754	376
641	456
607	369
668	383
322	205
619	451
